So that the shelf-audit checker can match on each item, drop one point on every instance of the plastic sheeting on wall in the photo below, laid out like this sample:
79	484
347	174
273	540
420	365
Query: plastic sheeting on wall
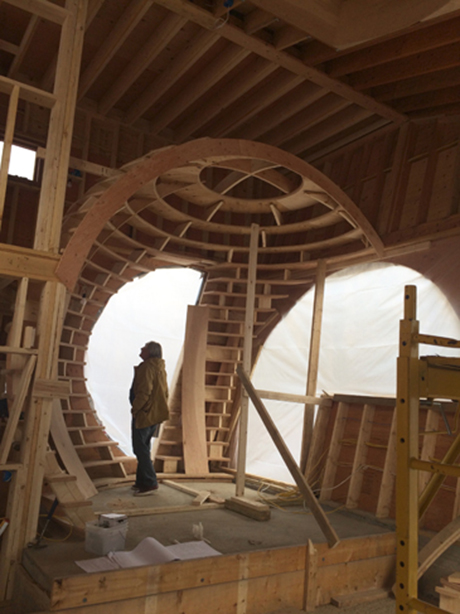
359	346
150	308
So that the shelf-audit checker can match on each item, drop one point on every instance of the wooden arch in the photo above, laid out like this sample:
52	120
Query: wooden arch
193	205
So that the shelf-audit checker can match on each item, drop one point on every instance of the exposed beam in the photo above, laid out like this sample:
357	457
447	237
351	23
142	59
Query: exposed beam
200	44
24	262
42	8
313	114
244	111
24	46
283	59
430	100
119	33
228	59
417	65
27	92
289	36
412	43
418	85
257	20
330	128
256	72
162	35
306	94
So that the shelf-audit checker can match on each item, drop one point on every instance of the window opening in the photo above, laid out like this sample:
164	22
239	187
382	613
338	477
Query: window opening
22	162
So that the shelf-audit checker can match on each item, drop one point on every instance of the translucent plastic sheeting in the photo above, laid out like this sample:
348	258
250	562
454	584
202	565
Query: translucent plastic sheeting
359	346
150	308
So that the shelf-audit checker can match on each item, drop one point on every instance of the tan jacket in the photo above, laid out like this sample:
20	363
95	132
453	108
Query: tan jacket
150	393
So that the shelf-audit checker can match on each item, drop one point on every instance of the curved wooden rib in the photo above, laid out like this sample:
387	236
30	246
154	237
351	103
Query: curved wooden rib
201	153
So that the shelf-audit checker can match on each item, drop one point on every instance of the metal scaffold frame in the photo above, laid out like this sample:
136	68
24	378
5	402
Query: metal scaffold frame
427	377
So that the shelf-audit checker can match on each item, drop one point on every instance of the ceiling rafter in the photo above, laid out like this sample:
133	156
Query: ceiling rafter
306	94
418	85
228	59
320	110
24	46
257	20
283	59
330	127
416	65
163	34
423	39
258	70
122	29
244	111
201	43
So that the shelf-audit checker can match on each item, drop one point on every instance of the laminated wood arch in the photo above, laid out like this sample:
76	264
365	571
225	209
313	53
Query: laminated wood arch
193	205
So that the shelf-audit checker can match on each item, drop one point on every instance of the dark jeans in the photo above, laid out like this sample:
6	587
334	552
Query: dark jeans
145	474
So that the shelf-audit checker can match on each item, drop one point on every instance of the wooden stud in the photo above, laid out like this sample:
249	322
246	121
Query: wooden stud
247	357
313	361
7	146
311	570
389	474
356	480
330	468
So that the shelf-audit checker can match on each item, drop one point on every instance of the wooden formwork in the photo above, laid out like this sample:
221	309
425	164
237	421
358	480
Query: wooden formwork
302	576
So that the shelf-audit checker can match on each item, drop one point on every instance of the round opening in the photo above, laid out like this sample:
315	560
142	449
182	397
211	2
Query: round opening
150	308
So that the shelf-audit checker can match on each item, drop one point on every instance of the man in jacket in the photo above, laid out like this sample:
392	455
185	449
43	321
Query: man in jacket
149	407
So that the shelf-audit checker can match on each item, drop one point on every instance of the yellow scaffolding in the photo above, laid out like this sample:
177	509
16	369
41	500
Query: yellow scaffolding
429	377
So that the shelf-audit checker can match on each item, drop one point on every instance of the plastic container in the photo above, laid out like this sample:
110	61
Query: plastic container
101	540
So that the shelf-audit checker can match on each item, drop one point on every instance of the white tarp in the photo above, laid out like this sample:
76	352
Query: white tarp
150	308
359	346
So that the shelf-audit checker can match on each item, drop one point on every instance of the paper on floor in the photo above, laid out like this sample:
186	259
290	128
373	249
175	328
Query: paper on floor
148	552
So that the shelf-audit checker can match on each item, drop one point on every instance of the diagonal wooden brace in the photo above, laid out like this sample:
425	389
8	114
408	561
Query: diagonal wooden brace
312	502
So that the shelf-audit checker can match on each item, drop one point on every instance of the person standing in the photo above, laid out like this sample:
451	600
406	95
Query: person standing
149	408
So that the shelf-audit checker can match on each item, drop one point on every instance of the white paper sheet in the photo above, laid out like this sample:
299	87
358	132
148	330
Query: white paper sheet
148	552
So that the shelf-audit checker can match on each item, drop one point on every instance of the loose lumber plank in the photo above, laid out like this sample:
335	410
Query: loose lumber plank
248	507
317	511
193	390
192	491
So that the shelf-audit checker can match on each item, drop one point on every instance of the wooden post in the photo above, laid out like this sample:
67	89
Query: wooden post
56	167
247	358
407	407
7	145
311	569
313	361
